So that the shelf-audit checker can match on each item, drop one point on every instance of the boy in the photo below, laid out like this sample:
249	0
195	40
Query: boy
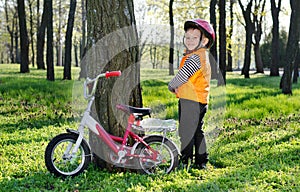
191	85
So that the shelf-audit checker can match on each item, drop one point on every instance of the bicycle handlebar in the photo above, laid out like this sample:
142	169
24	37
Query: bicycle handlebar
112	74
88	93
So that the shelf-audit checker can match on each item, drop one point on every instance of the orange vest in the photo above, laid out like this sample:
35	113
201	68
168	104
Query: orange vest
197	87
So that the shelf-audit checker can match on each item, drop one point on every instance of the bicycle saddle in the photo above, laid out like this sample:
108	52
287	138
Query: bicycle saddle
139	111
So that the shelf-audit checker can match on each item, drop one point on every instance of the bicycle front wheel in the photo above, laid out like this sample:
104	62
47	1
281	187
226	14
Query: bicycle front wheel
166	160
59	158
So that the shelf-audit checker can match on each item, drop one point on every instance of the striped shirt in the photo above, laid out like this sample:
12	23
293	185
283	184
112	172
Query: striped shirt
190	67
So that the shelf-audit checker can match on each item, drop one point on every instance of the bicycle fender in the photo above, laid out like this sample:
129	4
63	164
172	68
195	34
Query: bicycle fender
146	136
72	131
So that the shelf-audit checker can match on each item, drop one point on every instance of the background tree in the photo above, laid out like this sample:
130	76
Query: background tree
249	29
49	56
82	73
275	9
59	47
112	45
296	66
229	37
213	49
24	67
171	54
222	41
40	44
31	21
266	49
11	18
68	43
258	15
291	48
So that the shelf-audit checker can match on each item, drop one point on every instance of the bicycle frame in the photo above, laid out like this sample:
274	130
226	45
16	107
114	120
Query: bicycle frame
110	140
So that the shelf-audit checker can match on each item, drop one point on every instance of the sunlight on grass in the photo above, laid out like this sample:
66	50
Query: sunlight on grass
252	130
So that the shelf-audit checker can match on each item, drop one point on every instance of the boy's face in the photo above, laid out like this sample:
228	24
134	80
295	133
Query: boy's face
192	38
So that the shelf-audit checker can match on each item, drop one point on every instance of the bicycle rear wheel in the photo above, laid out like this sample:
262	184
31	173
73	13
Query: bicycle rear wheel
59	158
166	161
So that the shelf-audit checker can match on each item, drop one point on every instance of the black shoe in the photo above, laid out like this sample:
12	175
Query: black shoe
199	166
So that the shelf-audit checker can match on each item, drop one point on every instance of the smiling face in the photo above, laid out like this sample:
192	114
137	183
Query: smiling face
192	38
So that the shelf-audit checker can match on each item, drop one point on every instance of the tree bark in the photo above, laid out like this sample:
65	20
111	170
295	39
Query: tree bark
68	43
257	20
40	44
213	50
229	50
249	27
83	72
222	41
10	30
292	48
258	60
296	67
59	48
274	69
49	56
112	44
171	54
24	67
30	3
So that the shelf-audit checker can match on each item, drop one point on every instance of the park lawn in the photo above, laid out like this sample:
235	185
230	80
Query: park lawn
253	131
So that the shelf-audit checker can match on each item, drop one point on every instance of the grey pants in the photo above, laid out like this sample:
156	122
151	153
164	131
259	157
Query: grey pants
191	115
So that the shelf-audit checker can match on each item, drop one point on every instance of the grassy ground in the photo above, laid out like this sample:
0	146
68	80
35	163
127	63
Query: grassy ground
256	145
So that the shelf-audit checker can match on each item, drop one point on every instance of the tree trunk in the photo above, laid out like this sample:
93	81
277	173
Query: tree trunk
24	68
258	60
76	54
222	41
30	3
296	67
112	45
171	54
59	37
49	56
17	55
292	48
229	50
68	43
83	72
257	20
213	50
40	44
10	30
274	69
249	32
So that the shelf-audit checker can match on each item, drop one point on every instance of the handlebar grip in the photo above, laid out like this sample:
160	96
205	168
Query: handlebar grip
113	74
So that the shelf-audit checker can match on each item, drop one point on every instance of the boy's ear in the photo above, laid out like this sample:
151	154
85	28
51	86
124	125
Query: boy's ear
205	41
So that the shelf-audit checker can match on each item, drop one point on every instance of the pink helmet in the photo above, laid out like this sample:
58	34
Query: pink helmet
204	26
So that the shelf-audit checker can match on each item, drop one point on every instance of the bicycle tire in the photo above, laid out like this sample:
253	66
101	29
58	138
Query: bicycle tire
167	159
61	165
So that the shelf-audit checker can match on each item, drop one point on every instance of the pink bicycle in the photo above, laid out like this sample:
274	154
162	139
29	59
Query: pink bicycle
69	154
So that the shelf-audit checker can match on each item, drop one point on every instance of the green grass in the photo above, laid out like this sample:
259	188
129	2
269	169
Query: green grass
255	144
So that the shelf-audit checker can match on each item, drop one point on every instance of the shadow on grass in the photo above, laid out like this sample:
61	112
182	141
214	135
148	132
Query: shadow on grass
93	179
255	88
261	81
153	83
